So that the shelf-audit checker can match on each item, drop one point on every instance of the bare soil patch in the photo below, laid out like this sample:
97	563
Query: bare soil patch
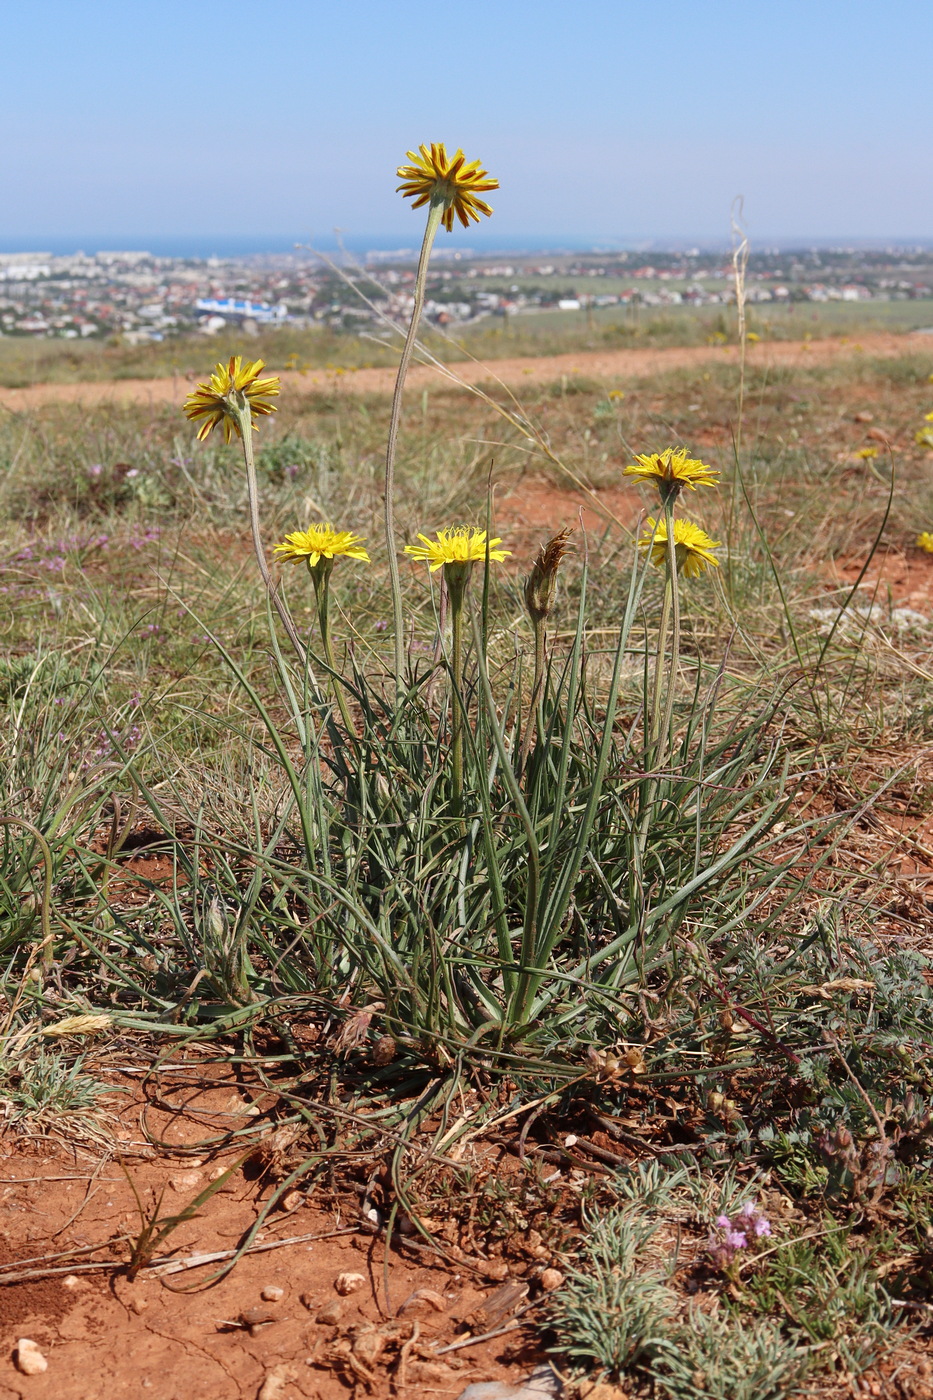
610	365
281	1313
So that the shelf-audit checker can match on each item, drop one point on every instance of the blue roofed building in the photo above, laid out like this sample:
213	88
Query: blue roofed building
233	310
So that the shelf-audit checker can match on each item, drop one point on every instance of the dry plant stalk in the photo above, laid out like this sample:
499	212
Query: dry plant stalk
739	268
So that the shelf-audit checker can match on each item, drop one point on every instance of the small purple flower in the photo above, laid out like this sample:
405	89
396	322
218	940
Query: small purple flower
381	625
95	469
730	1235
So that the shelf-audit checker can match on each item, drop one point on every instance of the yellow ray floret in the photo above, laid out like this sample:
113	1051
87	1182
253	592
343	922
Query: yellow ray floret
692	546
321	542
672	470
211	401
435	177
925	542
461	545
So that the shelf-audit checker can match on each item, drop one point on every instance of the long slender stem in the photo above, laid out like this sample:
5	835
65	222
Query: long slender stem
321	578
654	730
252	489
456	590
665	735
535	723
434	219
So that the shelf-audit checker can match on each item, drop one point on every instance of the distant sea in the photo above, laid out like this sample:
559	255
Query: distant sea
481	244
232	246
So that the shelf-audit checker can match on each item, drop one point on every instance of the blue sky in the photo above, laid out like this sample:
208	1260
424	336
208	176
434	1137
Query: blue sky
603	119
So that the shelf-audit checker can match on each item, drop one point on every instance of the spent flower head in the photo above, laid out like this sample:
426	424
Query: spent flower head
232	388
672	470
436	178
693	547
463	544
321	542
541	582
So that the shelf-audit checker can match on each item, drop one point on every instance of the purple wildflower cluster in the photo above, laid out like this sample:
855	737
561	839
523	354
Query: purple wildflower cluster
108	749
731	1234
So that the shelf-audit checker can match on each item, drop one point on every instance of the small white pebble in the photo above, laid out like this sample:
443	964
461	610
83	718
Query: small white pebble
349	1283
71	1281
271	1294
551	1279
29	1359
184	1181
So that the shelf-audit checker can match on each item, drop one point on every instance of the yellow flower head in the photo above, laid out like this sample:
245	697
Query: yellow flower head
435	178
461	545
928	417
925	542
213	401
672	470
866	453
692	546
924	438
321	542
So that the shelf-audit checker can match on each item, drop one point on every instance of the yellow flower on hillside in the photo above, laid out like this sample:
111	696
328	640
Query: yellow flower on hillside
215	400
924	438
928	417
435	178
460	545
866	453
321	542
672	470
693	547
925	542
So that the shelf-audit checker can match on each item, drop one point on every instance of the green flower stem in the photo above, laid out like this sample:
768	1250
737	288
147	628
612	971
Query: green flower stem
535	723
239	405
672	584
430	232
320	575
456	576
654	730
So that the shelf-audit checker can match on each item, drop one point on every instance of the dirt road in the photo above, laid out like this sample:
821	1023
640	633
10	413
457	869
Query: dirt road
614	367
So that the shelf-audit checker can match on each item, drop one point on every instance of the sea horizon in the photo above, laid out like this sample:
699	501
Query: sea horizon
202	246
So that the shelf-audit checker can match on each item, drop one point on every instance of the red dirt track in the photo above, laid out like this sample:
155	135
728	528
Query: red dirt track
609	365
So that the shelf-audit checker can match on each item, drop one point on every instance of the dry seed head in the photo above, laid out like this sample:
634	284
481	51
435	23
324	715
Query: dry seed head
541	582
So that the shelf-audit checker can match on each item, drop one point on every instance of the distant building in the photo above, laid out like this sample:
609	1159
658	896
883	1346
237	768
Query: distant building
232	310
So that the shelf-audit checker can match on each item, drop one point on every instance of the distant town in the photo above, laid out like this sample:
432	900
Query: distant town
134	296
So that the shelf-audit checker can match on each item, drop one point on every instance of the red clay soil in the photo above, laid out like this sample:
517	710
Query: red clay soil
105	1334
612	366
